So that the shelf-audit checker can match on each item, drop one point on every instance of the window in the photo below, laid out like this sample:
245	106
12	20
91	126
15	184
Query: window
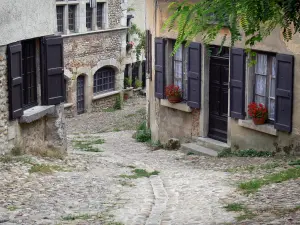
89	16
265	82
29	73
104	80
72	13
178	74
100	19
60	18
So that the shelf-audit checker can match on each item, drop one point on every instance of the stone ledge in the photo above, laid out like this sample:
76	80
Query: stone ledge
264	128
36	113
104	95
128	89
93	32
137	89
68	105
179	106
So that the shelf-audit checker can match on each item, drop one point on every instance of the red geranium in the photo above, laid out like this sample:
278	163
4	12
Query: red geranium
257	110
173	91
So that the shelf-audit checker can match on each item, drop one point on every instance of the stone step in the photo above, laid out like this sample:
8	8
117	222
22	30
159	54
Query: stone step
211	143
197	149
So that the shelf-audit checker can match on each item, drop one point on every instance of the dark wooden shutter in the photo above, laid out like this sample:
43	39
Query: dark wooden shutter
159	68
53	70
284	92
149	53
194	75
15	84
237	83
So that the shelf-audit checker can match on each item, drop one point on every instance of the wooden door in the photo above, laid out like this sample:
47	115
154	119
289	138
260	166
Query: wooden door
218	94
80	94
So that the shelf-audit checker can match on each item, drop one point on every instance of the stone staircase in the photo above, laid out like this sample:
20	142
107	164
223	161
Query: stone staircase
204	146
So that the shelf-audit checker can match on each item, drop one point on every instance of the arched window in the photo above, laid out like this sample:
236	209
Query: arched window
104	80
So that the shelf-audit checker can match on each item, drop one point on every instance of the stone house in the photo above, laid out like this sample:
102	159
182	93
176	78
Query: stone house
217	89
94	36
31	77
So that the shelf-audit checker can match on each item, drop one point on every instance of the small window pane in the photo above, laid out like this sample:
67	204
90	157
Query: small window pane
272	88
261	64
72	11
89	15
100	7
260	99
260	85
271	109
274	67
60	18
178	54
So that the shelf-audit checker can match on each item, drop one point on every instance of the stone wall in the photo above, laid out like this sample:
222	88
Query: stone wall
115	13
174	123
104	103
26	19
87	50
3	101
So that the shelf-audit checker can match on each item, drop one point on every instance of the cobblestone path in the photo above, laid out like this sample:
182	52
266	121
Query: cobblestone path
94	187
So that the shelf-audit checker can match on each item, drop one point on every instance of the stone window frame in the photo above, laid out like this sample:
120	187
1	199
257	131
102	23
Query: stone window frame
65	4
95	16
107	82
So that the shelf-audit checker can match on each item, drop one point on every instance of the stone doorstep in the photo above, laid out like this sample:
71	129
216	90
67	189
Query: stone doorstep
36	113
198	150
211	143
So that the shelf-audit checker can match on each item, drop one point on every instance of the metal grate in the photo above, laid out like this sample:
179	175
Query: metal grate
60	18
100	10
104	80
72	12
89	16
29	73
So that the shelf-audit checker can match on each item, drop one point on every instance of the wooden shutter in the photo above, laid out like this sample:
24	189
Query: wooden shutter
284	92
53	70
237	83
15	84
149	53
194	75
159	67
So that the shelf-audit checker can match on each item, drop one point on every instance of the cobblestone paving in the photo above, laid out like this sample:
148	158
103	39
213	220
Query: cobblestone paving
86	187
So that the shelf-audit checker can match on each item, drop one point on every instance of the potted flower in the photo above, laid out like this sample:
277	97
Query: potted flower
126	96
173	93
258	113
129	45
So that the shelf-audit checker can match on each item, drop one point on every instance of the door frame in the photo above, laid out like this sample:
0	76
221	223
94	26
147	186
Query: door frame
204	114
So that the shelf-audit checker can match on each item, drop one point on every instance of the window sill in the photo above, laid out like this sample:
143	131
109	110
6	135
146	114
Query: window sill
36	113
179	106
68	105
93	32
104	95
137	89
264	128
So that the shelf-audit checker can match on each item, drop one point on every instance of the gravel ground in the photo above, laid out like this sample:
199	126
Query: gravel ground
126	119
86	187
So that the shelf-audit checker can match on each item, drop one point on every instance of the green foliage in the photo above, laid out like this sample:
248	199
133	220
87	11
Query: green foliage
234	207
139	173
44	168
244	153
138	83
253	185
16	151
256	19
118	103
140	40
295	162
88	145
143	134
127	82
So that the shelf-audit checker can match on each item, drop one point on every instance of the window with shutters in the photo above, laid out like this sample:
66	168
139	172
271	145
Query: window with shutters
104	80
60	18
264	79
100	15
29	73
89	16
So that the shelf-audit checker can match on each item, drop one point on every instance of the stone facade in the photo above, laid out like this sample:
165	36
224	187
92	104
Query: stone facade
240	135
3	101
85	52
41	131
104	103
